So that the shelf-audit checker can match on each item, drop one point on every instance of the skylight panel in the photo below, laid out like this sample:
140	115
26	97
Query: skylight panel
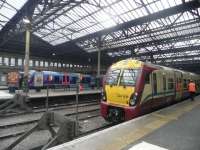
139	14
149	1
103	3
59	41
8	9
189	16
90	8
128	5
178	2
72	13
108	23
159	6
63	20
125	17
38	34
123	6
172	3
81	11
53	25
118	9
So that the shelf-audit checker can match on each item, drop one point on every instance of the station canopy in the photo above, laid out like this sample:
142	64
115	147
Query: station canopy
159	30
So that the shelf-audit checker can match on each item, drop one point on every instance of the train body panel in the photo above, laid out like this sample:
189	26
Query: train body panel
133	88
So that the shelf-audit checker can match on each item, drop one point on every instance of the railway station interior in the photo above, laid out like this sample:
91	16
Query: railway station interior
99	74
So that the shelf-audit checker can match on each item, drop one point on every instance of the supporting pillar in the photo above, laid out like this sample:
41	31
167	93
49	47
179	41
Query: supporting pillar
99	63
26	64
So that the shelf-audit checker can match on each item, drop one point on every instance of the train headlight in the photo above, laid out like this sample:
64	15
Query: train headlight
133	99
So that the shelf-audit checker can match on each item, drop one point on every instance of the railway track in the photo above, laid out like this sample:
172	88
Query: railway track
84	116
21	128
39	109
90	131
12	125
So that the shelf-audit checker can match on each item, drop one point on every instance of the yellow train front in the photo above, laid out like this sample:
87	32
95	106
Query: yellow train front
133	88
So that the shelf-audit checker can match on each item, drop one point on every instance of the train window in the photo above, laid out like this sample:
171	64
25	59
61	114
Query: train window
129	77
154	84
147	78
86	80
73	80
112	76
170	84
164	83
56	79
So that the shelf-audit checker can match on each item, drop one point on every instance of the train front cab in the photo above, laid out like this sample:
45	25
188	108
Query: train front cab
120	92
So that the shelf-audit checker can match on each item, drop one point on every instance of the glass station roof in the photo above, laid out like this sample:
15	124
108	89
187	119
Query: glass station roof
61	21
94	15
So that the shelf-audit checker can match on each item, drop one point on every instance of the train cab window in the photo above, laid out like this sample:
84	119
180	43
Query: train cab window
112	77
170	84
129	77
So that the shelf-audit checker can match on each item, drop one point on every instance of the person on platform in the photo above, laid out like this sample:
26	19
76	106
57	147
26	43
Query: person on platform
192	89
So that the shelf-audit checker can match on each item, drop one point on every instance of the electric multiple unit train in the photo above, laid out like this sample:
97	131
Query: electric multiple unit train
40	79
133	88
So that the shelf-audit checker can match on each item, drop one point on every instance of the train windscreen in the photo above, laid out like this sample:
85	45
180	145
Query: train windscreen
129	77
112	77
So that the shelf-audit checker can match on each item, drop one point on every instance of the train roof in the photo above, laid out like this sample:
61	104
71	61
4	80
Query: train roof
133	62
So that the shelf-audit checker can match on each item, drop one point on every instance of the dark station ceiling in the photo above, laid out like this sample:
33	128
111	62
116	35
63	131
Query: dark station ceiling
161	31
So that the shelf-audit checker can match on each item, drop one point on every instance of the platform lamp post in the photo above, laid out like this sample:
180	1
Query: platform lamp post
77	102
27	23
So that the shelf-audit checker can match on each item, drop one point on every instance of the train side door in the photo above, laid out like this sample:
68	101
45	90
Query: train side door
38	79
154	84
147	93
178	88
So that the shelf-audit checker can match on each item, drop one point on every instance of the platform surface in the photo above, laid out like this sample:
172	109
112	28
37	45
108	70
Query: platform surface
56	93
174	128
3	87
4	94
